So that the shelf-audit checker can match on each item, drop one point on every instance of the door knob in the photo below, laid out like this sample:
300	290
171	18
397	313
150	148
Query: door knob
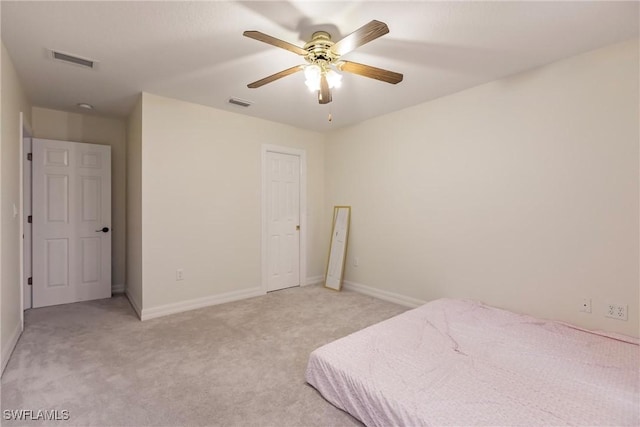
103	229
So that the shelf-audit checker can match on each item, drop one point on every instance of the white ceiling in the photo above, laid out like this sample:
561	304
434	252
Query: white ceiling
195	51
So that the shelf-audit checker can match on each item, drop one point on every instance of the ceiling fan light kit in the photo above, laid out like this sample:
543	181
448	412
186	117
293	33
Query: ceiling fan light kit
313	75
322	56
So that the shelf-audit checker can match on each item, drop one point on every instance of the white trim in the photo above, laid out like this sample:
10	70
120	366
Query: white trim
134	304
178	307
383	295
25	132
21	160
314	280
269	148
117	289
11	345
26	209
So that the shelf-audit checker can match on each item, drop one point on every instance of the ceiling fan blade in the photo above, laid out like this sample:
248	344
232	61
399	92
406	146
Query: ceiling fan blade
369	71
362	35
324	94
275	76
257	35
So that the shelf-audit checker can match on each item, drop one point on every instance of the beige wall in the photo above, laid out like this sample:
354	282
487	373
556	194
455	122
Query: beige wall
62	125
14	101
201	204
522	193
134	206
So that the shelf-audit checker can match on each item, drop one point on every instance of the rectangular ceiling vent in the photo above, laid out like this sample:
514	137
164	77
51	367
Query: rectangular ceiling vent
72	59
240	102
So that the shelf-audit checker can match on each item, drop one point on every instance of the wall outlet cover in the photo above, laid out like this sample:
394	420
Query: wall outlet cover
616	311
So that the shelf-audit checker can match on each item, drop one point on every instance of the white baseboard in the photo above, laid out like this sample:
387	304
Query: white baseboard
178	307
384	295
313	280
117	289
7	349
134	304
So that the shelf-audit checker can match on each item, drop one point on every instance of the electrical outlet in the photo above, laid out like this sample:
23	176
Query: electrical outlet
179	274
616	311
356	261
585	305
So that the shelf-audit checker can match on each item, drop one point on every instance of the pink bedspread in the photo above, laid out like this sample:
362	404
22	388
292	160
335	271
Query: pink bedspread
453	362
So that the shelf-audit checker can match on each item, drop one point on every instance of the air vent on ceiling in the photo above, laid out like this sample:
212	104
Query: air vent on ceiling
65	57
240	102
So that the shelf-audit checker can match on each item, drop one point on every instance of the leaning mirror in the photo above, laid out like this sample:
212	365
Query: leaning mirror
338	247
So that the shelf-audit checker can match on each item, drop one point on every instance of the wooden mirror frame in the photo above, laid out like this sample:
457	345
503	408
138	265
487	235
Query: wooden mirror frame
338	247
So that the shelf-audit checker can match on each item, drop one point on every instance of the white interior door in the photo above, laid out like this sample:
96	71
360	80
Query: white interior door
71	222
283	220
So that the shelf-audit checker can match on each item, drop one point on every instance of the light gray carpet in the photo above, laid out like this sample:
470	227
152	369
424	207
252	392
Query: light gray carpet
240	363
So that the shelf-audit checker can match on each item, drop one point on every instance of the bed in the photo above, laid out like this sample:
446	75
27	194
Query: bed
457	362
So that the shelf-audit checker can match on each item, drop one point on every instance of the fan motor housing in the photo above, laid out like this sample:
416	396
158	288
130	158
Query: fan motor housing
319	48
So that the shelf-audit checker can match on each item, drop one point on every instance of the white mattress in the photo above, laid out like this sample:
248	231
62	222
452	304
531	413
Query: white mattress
453	362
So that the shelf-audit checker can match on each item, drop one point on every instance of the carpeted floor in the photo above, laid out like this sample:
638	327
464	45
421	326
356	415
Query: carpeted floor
240	363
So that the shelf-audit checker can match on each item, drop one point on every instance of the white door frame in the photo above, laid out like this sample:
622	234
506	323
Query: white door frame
27	210
25	191
302	154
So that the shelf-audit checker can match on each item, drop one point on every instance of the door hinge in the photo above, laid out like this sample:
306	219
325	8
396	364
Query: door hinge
30	281
29	219
29	156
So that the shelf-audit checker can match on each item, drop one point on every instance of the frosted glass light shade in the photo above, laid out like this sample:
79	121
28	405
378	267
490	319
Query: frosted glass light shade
334	79
312	74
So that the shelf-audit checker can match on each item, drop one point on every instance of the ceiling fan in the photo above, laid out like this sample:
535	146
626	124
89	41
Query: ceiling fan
323	59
